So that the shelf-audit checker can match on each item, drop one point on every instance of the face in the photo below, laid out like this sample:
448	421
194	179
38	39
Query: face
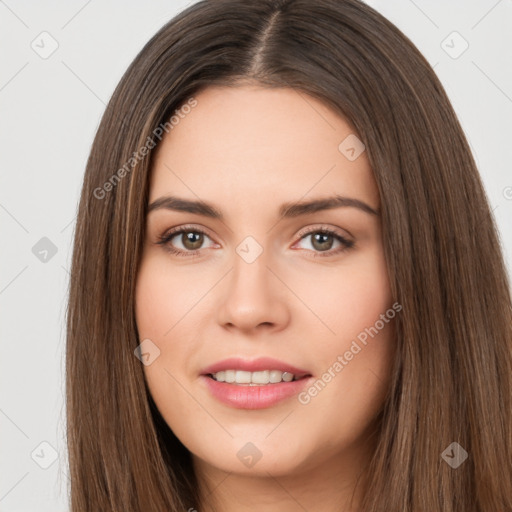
259	287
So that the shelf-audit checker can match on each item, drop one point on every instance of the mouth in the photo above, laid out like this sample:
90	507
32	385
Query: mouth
253	384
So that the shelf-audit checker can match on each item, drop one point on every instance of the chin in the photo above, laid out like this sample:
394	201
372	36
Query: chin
255	458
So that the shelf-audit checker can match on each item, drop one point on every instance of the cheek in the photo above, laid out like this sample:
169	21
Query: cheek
346	299
158	310
161	304
164	296
353	355
341	405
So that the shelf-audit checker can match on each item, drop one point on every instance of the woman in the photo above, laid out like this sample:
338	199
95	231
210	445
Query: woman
287	287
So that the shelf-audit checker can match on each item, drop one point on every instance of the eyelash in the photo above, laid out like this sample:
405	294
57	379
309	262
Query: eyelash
168	236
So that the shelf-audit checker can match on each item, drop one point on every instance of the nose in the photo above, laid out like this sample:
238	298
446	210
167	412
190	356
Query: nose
253	298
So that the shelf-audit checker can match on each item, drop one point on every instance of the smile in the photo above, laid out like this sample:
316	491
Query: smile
253	384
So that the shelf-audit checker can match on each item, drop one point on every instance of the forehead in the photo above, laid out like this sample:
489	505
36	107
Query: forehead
250	145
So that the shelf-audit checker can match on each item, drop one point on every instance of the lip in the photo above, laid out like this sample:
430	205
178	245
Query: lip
254	397
254	365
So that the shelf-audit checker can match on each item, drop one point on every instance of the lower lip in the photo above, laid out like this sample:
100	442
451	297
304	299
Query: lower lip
253	397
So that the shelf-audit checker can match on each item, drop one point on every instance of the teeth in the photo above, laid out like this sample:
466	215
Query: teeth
260	377
253	378
242	377
276	376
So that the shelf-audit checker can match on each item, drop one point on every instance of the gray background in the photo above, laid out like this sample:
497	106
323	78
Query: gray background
51	108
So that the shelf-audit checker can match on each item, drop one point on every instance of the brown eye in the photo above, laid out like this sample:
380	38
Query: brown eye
186	241
322	241
192	240
325	242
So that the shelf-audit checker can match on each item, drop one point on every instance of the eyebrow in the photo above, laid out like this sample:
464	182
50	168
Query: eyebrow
287	210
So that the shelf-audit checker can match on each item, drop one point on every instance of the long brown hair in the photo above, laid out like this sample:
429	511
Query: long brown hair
452	377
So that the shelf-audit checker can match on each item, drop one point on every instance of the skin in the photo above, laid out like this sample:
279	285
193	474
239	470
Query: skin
247	150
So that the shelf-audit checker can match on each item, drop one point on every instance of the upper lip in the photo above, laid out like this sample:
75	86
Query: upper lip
254	365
